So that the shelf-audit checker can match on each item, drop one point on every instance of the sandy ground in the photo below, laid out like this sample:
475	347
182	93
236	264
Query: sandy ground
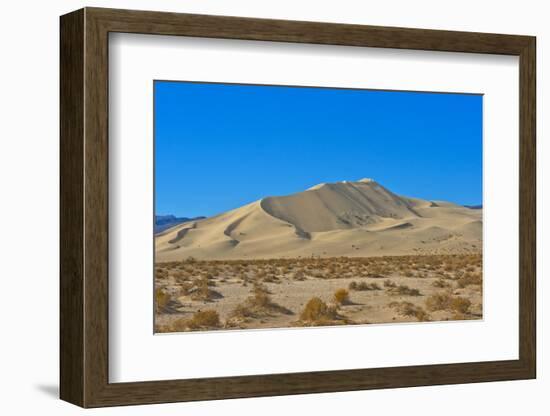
449	288
338	253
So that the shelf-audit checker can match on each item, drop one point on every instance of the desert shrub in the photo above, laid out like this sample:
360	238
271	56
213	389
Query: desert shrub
258	304
271	278
341	296
180	325
469	279
161	299
260	288
200	290
439	302
242	311
363	286
260	296
440	283
317	310
299	275
207	319
204	319
409	309
460	305
160	328
447	302
389	283
161	273
404	290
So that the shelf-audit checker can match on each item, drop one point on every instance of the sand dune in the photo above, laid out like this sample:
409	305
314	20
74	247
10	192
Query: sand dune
335	219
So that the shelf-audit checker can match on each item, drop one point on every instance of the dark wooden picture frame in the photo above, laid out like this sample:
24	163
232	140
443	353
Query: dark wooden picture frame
84	207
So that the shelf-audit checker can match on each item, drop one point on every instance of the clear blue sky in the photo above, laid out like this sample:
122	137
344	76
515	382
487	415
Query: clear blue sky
220	146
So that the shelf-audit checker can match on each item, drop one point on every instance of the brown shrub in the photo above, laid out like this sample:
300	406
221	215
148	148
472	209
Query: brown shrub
201	320
258	304
409	309
341	296
469	279
299	275
440	283
200	290
460	305
363	286
161	299
317	310
205	319
439	302
161	273
447	302
389	283
260	298
404	290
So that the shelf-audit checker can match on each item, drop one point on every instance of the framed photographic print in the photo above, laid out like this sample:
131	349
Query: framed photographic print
255	207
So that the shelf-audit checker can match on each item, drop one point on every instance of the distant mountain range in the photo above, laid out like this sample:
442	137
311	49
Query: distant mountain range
163	222
474	206
348	218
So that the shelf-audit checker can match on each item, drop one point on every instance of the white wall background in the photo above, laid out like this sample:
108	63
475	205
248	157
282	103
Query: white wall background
29	205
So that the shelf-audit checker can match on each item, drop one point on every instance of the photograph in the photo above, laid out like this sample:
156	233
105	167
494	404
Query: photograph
281	206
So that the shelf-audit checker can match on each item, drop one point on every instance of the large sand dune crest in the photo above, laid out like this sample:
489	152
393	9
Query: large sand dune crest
338	219
335	206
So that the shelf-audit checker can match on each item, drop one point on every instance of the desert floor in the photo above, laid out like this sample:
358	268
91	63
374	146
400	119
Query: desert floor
238	294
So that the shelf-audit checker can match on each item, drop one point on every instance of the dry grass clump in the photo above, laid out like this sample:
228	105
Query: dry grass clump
200	290
260	296
439	302
271	278
299	275
389	283
445	301
404	290
361	286
461	305
318	313
161	299
201	320
204	320
341	297
161	272
469	279
440	283
257	305
410	309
